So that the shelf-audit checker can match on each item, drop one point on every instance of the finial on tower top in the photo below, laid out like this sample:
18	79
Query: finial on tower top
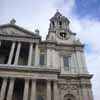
57	10
37	31
13	21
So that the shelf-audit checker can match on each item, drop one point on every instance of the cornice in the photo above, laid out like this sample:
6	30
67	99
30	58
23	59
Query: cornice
30	69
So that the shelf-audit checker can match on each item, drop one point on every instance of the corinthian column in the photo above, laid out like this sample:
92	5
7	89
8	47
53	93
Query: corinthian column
3	89
26	88
55	91
36	55
10	90
30	54
11	53
17	53
33	90
48	90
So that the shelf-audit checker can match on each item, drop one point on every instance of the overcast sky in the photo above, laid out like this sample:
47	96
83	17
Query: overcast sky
85	21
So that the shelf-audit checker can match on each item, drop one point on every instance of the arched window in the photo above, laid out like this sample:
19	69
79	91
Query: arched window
53	24
40	98
60	24
69	97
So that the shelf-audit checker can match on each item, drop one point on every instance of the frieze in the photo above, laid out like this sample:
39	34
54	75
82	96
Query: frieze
68	88
18	39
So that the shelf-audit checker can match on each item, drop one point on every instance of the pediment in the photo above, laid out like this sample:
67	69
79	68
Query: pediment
14	30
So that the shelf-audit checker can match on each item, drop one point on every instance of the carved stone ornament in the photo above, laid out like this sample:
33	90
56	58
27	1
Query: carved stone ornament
67	87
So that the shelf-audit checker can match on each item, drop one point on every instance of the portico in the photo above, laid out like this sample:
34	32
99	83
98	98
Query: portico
15	54
10	89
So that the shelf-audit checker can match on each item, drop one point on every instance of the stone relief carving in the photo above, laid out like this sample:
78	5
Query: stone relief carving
12	31
69	86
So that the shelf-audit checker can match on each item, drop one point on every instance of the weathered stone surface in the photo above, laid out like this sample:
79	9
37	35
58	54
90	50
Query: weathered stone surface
51	81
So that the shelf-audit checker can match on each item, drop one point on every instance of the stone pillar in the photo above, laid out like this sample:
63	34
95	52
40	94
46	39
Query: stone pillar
33	90
0	43
90	94
55	91
11	88
26	88
83	62
74	63
85	93
48	90
48	58
36	55
54	63
30	54
11	53
17	53
3	89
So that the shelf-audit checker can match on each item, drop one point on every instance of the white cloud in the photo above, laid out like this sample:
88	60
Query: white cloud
38	14
89	32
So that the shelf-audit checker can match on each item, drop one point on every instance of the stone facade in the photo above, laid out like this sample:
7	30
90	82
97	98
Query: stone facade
32	69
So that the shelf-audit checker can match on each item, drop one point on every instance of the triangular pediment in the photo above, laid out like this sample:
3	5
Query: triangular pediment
14	30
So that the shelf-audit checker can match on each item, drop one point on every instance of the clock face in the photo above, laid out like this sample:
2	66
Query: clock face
63	35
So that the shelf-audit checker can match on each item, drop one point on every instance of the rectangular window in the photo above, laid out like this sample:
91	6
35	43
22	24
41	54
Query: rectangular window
42	57
66	62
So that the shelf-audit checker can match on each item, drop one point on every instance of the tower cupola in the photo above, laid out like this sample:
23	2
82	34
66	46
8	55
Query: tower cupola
58	22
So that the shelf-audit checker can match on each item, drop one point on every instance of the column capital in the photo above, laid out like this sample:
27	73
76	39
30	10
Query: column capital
48	80
12	78
55	81
4	77
26	79
33	79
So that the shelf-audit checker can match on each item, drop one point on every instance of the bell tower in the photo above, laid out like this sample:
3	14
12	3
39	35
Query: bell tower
59	23
59	30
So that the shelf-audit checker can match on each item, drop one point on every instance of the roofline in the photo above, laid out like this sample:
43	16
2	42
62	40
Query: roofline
20	28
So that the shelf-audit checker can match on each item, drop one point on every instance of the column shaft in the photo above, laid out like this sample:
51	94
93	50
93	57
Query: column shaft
85	93
11	53
3	89
10	90
48	90
55	89
36	55
26	88
30	54
17	53
33	90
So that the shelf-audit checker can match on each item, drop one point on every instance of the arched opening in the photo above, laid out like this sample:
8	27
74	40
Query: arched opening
40	97
69	97
60	24
53	24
